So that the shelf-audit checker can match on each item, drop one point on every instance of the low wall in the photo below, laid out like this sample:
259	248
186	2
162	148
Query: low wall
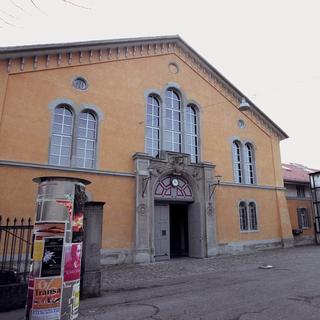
13	296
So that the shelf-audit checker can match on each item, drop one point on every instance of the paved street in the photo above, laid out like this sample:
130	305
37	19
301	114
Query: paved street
224	288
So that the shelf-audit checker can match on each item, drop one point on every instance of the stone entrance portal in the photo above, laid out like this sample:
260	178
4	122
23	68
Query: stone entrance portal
178	225
171	237
174	212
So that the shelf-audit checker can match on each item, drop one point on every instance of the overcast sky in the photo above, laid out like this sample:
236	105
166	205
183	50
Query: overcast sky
269	49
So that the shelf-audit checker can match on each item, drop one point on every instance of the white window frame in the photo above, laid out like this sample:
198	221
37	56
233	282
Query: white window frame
173	133
252	222
249	157
243	162
191	132
62	136
154	126
76	111
89	153
172	127
237	161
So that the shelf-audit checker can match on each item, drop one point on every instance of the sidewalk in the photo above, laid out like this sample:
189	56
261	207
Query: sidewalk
120	282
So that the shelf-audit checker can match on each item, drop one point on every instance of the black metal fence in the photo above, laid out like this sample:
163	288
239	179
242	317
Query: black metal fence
15	249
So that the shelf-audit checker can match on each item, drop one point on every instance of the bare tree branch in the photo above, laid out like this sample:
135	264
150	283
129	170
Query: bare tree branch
7	22
8	14
17	6
76	4
34	4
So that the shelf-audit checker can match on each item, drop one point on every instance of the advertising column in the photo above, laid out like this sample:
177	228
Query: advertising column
54	282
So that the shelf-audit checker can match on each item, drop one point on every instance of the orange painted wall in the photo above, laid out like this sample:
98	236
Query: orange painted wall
117	88
18	197
293	205
228	224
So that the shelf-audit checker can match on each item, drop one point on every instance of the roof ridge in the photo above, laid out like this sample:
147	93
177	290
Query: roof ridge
47	49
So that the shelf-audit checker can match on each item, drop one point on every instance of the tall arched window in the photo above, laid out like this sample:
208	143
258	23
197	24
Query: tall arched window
237	166
253	216
249	163
86	140
153	126
191	145
243	216
172	126
61	137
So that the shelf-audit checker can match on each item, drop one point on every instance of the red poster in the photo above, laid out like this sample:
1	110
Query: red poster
48	229
72	267
68	204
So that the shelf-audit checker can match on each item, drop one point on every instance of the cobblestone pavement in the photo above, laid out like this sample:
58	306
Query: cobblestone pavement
121	277
222	288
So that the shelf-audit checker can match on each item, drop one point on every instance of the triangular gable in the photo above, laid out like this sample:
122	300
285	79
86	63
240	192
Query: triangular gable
35	57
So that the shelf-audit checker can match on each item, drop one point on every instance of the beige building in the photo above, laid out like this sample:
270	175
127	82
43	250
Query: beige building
298	194
186	163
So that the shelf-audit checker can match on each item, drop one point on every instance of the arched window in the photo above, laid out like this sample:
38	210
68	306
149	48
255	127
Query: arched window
248	216
61	136
153	126
237	165
253	216
172	126
86	140
249	163
243	215
192	140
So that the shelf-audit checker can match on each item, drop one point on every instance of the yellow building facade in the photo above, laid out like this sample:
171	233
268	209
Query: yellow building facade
186	164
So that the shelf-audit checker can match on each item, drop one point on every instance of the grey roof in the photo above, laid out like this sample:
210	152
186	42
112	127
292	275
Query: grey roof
42	49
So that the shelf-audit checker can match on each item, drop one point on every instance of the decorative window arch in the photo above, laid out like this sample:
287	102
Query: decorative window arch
86	140
192	135
249	163
237	161
171	124
74	131
171	187
248	216
243	215
61	136
244	167
253	216
153	126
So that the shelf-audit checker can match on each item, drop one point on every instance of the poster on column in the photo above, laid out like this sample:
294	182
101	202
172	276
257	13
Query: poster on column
72	259
77	221
47	298
48	229
52	257
70	300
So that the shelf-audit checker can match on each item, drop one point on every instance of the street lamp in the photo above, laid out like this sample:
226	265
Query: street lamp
244	105
212	186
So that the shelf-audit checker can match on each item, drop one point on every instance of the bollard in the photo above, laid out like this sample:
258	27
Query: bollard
54	281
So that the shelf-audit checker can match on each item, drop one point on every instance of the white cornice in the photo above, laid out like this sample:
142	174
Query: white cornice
29	58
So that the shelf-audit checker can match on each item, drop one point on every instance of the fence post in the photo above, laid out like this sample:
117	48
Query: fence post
91	260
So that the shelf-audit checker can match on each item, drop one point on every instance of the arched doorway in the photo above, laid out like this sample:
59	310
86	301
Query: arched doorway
177	222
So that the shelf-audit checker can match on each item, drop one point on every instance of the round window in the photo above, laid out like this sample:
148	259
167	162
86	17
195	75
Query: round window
241	124
173	67
80	83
